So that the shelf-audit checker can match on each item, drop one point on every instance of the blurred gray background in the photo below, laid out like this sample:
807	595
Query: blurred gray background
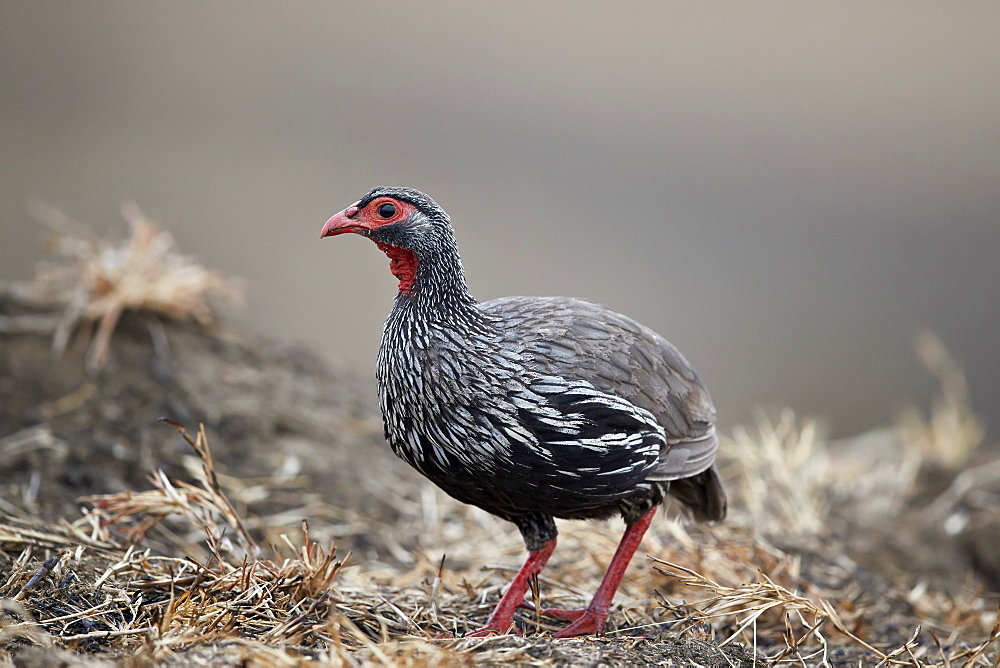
787	191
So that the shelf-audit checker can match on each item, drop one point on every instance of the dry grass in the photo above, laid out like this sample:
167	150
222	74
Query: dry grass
791	479
213	593
117	597
94	280
782	474
952	433
784	614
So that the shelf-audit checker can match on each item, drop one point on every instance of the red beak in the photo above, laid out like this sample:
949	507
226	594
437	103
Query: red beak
344	222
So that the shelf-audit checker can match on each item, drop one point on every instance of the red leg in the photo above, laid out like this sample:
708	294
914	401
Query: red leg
591	620
502	618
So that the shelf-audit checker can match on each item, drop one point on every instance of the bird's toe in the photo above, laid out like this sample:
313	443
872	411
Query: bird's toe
588	622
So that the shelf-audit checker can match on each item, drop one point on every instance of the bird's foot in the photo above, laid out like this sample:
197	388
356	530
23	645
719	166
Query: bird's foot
588	622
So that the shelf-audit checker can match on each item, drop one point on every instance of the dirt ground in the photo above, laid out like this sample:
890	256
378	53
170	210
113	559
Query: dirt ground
876	550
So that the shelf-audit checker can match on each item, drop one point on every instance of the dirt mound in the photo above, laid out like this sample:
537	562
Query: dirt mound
268	408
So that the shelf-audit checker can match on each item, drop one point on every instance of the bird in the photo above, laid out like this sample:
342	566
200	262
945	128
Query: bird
531	408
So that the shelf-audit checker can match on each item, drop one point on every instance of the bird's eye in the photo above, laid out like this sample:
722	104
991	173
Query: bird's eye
387	210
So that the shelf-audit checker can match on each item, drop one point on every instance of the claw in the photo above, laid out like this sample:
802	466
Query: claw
589	622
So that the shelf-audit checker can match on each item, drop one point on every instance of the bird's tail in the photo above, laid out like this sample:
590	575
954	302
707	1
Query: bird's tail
702	494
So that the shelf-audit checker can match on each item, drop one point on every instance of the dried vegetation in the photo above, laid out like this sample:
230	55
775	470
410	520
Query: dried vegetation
203	567
93	280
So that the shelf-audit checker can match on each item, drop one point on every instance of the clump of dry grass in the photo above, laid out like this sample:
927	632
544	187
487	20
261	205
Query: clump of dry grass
202	505
94	280
952	433
790	478
782	480
128	600
772	615
794	485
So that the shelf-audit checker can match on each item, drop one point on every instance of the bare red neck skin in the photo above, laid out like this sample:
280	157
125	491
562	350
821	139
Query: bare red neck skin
402	264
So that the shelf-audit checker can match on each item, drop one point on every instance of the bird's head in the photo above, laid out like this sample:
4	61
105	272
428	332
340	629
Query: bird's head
406	224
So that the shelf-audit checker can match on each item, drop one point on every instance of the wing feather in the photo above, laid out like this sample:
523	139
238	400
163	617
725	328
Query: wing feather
570	338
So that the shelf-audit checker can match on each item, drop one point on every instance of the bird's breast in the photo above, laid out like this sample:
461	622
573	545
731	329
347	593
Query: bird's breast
434	387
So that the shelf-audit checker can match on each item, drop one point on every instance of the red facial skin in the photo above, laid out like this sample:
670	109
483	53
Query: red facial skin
402	262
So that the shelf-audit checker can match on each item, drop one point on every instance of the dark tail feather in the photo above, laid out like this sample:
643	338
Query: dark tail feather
702	494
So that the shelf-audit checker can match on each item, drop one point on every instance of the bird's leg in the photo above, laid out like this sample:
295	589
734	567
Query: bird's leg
590	620
502	618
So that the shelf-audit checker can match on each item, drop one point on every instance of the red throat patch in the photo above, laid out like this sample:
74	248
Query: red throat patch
402	264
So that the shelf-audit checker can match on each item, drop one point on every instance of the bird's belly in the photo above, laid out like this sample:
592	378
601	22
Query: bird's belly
462	430
511	482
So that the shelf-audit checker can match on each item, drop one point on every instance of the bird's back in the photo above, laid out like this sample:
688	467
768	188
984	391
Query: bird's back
573	338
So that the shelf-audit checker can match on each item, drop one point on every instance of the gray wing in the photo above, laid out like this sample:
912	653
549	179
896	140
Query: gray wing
572	338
